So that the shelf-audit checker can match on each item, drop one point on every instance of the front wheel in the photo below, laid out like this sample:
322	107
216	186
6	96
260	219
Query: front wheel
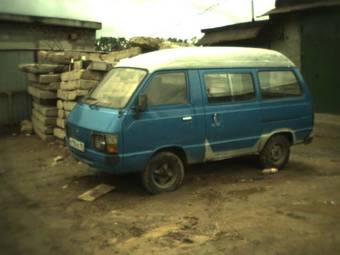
163	173
275	153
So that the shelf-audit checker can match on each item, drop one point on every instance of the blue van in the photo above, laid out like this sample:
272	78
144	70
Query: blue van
159	111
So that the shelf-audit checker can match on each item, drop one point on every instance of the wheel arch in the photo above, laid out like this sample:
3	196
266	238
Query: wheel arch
288	133
177	150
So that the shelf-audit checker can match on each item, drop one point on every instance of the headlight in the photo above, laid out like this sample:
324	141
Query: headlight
105	143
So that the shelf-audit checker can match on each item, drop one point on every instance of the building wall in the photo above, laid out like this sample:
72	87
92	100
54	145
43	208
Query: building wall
30	36
18	44
320	40
15	103
286	37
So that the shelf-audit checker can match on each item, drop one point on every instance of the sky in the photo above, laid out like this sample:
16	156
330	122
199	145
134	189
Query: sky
157	18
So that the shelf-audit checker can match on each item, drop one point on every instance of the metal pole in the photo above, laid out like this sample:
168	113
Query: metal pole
252	11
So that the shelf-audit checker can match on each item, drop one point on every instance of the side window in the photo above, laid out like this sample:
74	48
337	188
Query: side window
278	84
167	88
226	87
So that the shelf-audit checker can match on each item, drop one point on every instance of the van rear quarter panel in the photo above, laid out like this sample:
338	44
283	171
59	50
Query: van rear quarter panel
294	113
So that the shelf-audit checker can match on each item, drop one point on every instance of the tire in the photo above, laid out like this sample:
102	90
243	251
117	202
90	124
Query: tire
163	173
275	153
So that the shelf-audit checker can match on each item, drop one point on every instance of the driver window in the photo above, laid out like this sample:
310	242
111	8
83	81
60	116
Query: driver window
167	89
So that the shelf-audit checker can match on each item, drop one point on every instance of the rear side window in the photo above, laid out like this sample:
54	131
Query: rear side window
167	88
226	87
279	84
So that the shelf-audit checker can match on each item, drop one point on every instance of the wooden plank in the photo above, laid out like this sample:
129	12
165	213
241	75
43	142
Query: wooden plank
96	192
78	84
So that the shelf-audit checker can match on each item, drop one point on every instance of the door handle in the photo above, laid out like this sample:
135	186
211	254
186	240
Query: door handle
215	119
187	118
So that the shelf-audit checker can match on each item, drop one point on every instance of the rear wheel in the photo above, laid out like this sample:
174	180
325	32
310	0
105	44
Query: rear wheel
163	173
276	152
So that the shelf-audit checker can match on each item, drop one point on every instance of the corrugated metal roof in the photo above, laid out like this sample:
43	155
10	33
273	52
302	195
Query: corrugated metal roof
302	7
236	32
207	57
51	21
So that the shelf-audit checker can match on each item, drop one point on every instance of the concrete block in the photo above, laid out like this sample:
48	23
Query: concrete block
43	129
61	114
46	86
60	105
60	123
81	74
48	78
40	133
46	120
71	94
42	68
48	111
68	106
77	65
32	77
59	57
100	66
47	102
59	133
78	84
115	56
43	94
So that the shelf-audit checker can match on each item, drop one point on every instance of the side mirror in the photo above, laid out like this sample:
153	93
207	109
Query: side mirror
142	104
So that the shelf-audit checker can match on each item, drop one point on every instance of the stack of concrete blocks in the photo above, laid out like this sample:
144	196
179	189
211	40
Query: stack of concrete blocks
59	79
87	70
76	84
43	83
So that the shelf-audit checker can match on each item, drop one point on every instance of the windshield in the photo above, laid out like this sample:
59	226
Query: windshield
116	88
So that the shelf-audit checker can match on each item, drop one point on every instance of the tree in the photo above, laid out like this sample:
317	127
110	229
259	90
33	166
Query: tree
109	44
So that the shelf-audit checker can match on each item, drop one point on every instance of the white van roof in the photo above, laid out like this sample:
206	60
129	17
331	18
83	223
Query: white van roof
207	57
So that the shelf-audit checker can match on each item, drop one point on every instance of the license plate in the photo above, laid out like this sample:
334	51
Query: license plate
76	144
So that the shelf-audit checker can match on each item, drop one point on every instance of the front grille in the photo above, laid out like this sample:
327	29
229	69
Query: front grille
82	134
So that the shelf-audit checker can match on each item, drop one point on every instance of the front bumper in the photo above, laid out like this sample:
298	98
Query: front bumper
98	160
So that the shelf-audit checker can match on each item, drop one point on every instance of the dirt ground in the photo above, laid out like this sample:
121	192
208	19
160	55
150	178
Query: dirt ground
226	207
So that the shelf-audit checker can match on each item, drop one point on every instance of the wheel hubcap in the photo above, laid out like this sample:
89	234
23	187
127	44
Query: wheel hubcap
277	152
164	174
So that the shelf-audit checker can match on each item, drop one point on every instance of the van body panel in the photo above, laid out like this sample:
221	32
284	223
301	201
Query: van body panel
96	118
292	113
